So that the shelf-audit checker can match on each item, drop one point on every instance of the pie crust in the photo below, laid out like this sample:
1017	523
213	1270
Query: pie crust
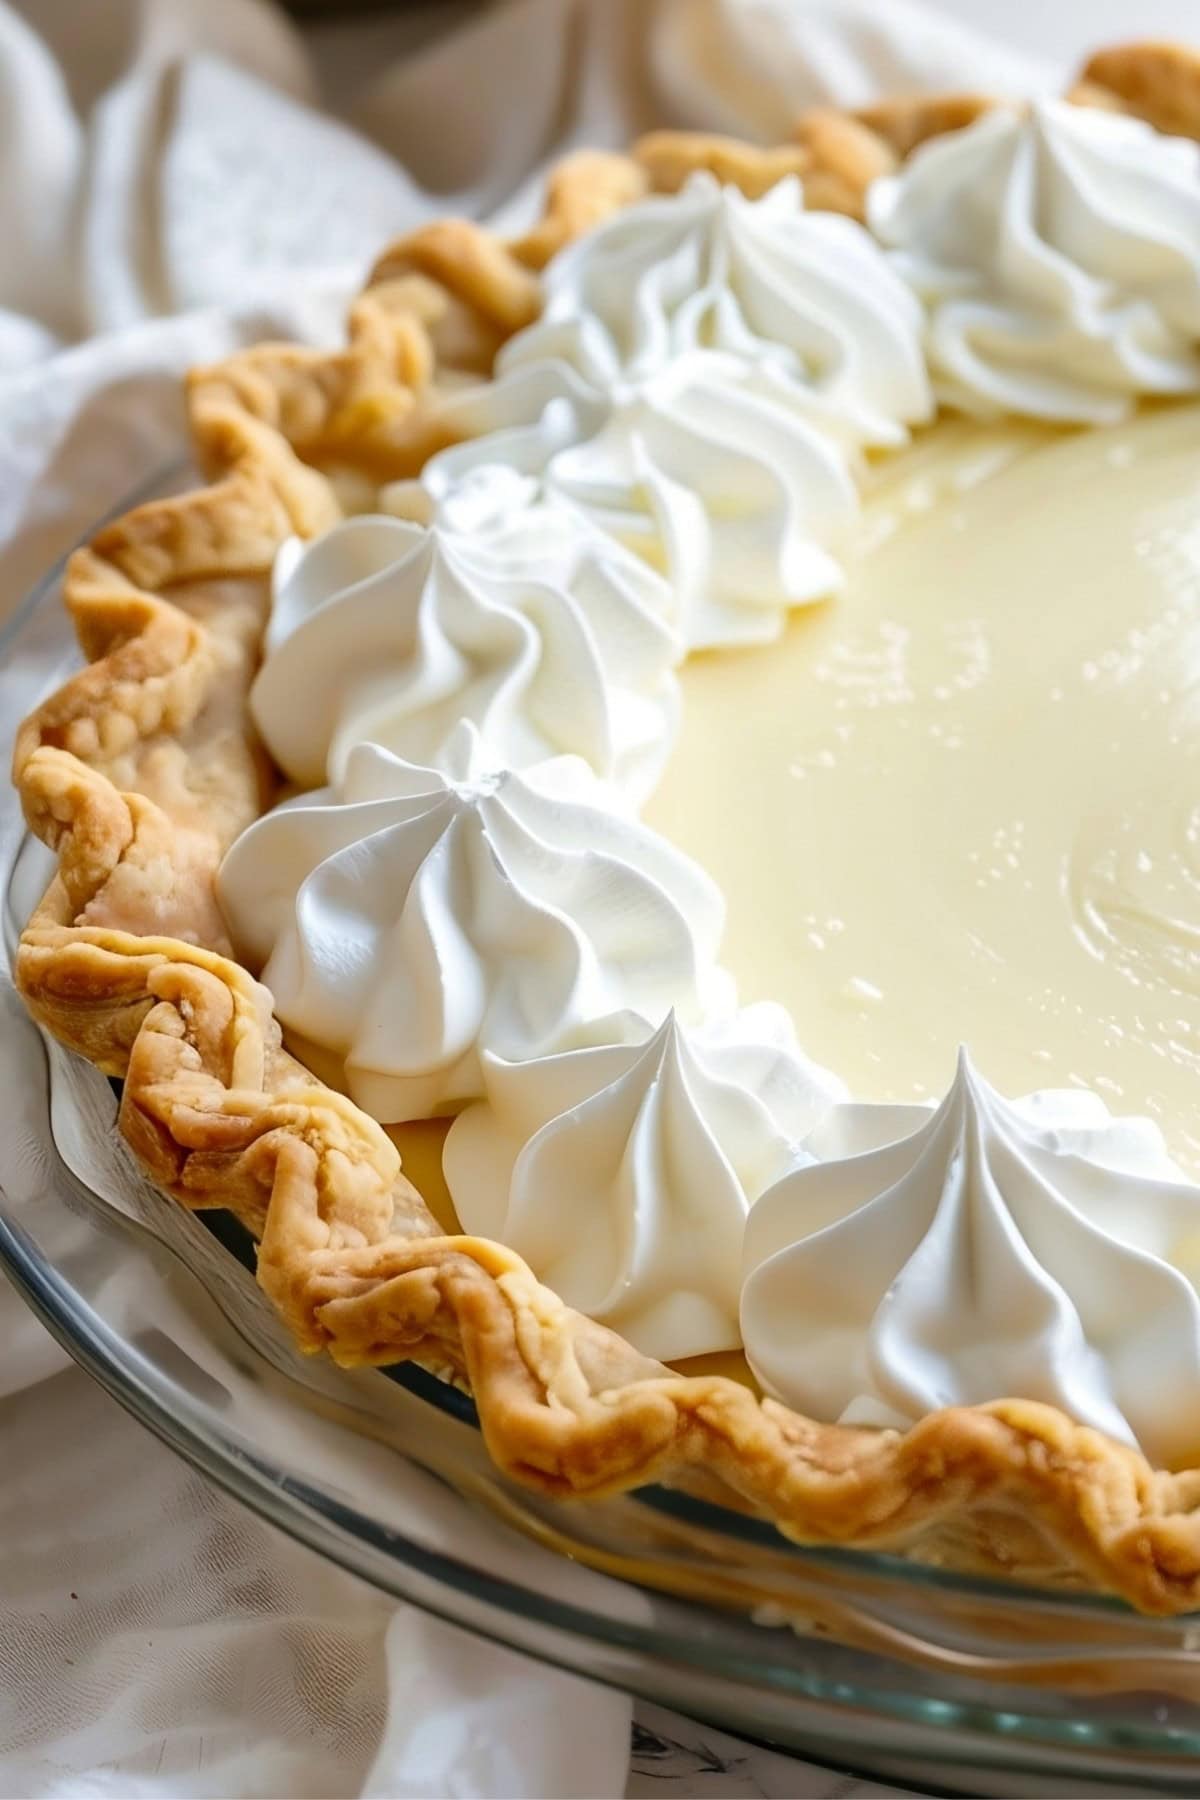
143	768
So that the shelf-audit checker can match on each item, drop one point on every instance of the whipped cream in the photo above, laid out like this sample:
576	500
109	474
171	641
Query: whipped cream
705	369
410	919
802	299
623	1174
740	505
986	1249
546	634
1057	252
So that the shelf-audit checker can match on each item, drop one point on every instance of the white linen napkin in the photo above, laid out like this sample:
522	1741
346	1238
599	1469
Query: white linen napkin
169	187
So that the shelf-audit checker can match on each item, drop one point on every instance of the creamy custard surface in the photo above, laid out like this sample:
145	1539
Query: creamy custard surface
961	802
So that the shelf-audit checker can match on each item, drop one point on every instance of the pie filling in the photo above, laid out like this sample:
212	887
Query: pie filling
960	803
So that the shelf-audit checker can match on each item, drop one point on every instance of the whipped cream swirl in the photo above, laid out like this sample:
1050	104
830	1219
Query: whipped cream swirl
1057	252
704	371
803	300
546	634
410	919
623	1175
985	1250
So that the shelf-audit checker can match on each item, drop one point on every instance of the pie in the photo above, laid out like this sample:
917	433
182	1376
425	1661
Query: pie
783	561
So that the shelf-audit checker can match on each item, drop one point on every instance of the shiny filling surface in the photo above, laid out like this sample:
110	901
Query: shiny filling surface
959	803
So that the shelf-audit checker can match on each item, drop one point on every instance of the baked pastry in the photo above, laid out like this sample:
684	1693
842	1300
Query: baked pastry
541	475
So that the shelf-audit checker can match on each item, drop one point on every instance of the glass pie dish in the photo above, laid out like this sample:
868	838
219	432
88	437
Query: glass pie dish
866	1660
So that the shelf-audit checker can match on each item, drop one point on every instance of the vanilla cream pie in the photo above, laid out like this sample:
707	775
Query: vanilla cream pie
767	664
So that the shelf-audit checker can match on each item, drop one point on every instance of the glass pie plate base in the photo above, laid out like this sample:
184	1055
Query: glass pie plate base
865	1661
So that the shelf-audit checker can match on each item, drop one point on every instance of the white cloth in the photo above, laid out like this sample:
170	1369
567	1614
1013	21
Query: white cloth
170	186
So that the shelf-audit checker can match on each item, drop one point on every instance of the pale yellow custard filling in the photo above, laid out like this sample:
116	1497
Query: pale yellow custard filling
961	802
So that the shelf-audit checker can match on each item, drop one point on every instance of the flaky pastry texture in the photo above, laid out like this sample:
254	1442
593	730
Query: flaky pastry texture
143	768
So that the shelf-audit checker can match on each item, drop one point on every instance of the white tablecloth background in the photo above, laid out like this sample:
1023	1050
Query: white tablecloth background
177	176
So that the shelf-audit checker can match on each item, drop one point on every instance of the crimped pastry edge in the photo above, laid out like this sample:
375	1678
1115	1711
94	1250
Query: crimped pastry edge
144	762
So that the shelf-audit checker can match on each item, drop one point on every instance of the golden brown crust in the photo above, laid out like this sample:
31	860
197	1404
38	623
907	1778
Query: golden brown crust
469	262
845	157
142	769
1158	82
905	124
668	158
582	191
835	156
